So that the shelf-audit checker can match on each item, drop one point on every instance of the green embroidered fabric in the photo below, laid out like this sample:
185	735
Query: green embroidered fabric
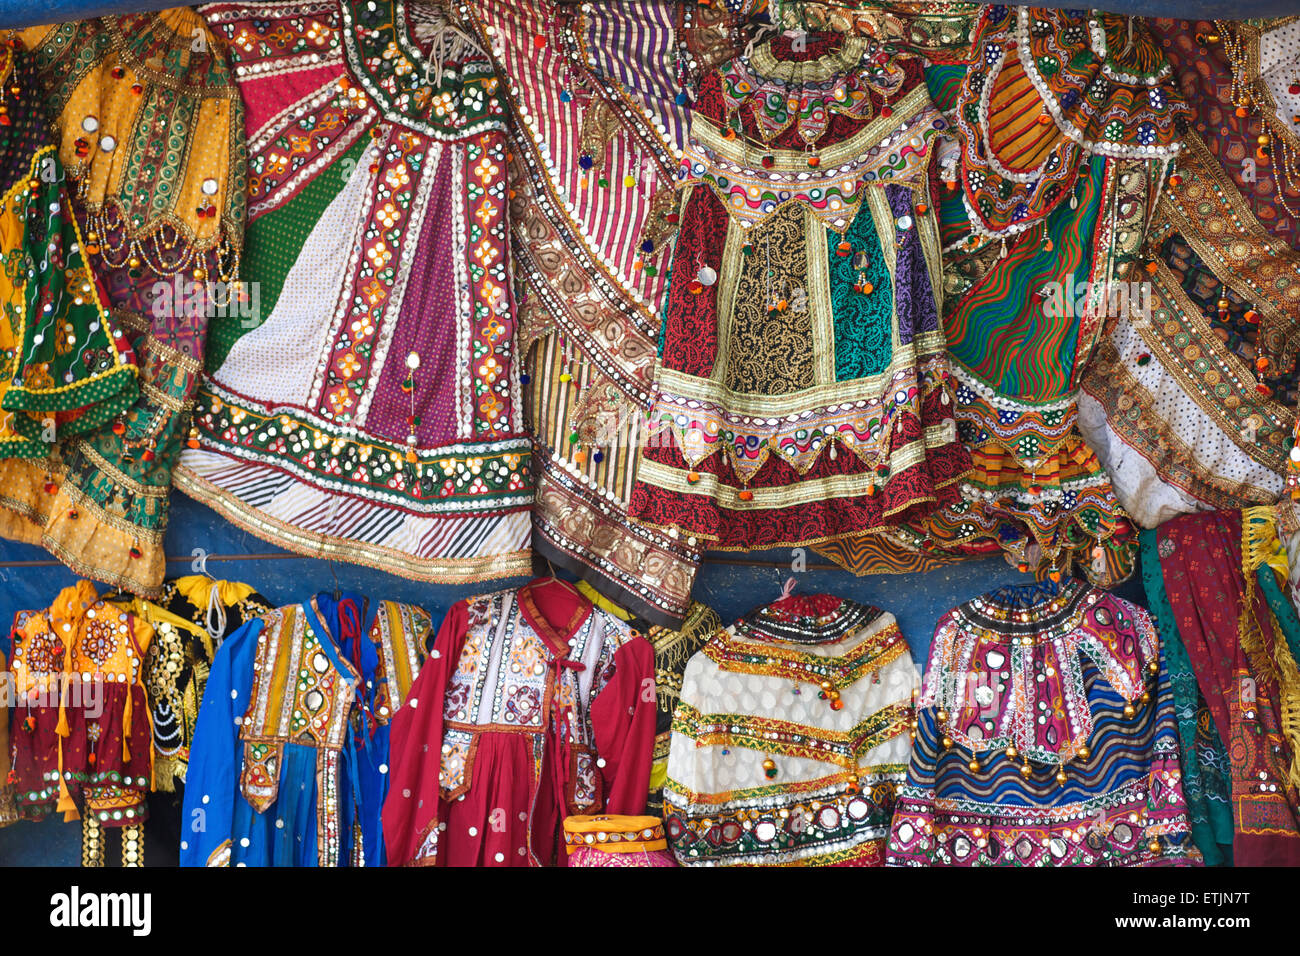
863	342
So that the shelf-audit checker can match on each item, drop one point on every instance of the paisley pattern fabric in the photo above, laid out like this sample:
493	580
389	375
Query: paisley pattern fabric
788	740
1045	737
767	427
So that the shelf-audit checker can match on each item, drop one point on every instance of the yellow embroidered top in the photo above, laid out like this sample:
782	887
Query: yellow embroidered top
81	638
150	125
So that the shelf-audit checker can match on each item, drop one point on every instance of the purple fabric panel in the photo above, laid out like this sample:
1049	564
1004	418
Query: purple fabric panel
913	294
426	324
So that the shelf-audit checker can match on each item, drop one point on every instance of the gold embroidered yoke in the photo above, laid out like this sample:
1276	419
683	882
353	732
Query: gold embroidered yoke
305	692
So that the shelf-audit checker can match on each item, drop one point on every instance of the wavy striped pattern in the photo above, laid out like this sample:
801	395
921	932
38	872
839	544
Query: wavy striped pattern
944	82
1000	330
1122	806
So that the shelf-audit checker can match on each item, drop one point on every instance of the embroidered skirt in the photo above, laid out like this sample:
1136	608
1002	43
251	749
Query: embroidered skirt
803	391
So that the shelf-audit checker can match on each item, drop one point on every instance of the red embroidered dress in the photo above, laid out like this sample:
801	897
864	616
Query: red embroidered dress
515	722
82	732
803	390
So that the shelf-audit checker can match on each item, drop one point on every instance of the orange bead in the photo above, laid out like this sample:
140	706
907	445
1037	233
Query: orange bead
692	476
746	495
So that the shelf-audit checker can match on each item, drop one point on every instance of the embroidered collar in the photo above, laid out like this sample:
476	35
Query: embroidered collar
556	637
779	92
805	619
398	75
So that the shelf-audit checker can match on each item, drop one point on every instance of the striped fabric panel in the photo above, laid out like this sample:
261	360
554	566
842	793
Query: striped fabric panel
551	406
1016	136
610	218
305	519
634	44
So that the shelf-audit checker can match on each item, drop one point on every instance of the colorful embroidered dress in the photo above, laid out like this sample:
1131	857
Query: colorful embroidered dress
599	96
290	755
151	127
534	706
83	736
372	413
64	367
1219	575
803	392
1066	122
1194	409
1045	737
673	650
788	741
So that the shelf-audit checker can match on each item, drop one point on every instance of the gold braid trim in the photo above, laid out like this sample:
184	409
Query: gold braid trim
92	842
